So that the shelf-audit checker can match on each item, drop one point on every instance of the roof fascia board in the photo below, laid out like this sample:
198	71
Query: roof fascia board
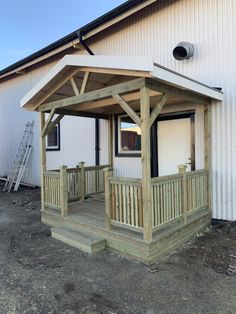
185	83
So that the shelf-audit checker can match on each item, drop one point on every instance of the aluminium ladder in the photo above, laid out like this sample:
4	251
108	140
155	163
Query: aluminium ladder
21	159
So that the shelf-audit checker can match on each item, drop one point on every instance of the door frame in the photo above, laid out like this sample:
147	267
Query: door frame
154	137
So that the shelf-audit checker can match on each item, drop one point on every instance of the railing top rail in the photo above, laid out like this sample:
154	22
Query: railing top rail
166	178
124	180
197	172
51	173
69	170
178	176
96	167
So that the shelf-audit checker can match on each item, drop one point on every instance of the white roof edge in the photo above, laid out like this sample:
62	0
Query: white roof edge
183	82
110	62
144	64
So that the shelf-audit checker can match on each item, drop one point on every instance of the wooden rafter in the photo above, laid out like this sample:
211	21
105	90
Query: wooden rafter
53	124
157	109
175	92
94	95
49	119
133	115
84	83
55	87
111	101
74	86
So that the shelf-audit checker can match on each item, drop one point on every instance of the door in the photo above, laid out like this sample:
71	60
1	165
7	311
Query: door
174	145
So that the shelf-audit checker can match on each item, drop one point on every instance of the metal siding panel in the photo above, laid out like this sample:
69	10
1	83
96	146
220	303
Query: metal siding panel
210	25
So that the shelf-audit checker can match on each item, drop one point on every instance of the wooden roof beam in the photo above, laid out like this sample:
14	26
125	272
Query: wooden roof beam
55	87
157	109
94	95
131	113
171	91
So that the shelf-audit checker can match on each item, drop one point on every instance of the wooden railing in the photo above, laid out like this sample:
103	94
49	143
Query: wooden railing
52	192
166	198
124	202
94	180
177	195
72	184
197	190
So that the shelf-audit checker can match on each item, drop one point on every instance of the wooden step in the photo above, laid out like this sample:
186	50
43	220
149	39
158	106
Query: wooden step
82	240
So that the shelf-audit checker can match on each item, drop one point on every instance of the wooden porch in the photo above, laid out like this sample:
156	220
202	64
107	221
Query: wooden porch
143	217
112	208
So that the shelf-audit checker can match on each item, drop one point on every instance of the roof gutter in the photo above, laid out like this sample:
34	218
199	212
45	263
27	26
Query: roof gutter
83	43
114	16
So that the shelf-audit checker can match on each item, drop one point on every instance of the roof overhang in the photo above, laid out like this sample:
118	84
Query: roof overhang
127	67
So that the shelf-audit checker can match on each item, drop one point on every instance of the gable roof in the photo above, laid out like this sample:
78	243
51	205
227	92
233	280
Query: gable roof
127	8
140	66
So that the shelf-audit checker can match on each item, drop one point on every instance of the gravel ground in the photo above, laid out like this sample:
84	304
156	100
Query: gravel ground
41	275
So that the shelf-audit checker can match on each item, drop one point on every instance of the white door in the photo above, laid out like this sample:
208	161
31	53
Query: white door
174	145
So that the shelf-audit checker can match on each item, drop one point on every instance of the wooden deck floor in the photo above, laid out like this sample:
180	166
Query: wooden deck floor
91	211
89	216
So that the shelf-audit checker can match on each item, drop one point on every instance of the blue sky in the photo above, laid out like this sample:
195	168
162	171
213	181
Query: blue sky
29	25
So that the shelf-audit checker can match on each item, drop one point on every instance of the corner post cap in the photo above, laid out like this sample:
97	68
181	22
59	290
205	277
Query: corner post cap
182	169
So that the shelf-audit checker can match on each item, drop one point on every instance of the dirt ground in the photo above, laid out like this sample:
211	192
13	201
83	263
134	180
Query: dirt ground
41	275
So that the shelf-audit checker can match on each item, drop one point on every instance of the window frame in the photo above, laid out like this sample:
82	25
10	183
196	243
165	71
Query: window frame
118	151
57	147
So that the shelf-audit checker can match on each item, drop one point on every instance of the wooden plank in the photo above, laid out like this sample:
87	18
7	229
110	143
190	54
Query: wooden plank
172	91
63	191
74	86
157	109
126	226
107	174
42	158
49	119
146	163
84	82
131	113
94	95
55	87
182	170
82	180
53	124
97	104
111	141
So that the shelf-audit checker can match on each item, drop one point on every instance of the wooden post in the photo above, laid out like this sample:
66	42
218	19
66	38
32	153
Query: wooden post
42	157
182	170
108	196
146	163
110	145
207	149
82	180
64	191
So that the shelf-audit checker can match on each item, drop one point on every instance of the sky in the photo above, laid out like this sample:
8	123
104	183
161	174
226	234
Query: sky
29	25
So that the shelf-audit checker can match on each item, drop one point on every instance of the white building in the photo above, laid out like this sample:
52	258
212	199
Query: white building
149	28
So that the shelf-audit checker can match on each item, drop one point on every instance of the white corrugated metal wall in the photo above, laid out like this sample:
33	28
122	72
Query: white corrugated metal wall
211	26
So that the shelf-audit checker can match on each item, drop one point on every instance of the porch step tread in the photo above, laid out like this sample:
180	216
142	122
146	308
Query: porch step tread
82	240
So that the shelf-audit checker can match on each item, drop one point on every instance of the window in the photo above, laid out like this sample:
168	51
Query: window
53	138
128	137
